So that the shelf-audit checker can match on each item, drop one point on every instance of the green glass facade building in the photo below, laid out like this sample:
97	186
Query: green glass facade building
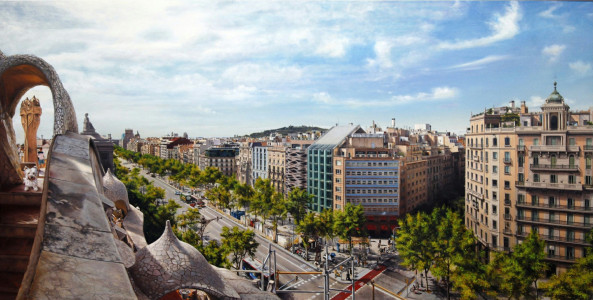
319	165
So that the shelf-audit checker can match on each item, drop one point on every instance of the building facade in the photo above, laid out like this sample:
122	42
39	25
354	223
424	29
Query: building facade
222	158
531	172
277	166
259	163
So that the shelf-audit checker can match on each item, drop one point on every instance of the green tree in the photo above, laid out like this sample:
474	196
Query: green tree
264	191
469	275
309	227
220	195
414	242
448	244
239	243
327	220
188	219
516	273
277	211
298	203
577	282
350	223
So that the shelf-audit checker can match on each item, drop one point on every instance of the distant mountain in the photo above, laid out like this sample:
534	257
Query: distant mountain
286	130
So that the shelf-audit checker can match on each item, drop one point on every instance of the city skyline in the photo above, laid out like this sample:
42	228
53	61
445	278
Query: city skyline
222	68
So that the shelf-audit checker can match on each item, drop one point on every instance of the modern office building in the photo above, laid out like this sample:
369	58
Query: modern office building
296	167
531	172
320	174
367	174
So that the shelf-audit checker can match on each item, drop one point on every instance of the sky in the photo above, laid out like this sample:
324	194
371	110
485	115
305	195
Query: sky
221	68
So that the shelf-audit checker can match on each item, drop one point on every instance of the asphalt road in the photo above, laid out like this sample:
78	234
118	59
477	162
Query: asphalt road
285	261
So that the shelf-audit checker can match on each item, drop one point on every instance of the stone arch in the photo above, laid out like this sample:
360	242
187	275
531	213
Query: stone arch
18	74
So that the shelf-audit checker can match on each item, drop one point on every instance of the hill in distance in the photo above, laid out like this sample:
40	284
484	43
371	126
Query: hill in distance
286	130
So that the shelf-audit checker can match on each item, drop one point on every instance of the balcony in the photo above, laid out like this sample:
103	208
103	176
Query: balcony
508	217
507	231
507	202
555	238
554	221
588	148
477	146
475	194
521	148
554	148
555	207
561	258
550	186
508	160
568	168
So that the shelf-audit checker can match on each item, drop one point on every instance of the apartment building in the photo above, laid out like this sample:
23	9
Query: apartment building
531	172
295	168
222	158
277	167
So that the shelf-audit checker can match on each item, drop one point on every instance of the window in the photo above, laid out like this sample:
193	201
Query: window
507	141
570	203
494	155
535	160
551	202
569	218
571	179
569	253
571	141
494	225
534	200
521	160
588	162
535	177
507	185
494	142
494	169
507	156
338	171
588	180
338	162
507	169
521	177
494	182
536	142
553	160
553	178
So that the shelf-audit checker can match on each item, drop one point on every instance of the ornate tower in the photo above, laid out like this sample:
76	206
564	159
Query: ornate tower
555	112
30	118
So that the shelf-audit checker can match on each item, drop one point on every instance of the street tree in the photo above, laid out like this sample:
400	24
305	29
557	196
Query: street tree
277	211
264	191
577	282
188	219
309	228
414	242
448	244
350	223
298	203
327	220
239	243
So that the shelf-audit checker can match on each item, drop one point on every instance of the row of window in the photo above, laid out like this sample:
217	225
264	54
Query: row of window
376	182
369	191
392	201
368	164
369	173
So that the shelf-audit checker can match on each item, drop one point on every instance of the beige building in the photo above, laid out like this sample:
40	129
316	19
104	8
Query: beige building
277	163
531	172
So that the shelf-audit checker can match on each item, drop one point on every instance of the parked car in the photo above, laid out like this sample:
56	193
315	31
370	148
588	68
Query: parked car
177	193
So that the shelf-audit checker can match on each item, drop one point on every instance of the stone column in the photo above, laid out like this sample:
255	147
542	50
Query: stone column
30	118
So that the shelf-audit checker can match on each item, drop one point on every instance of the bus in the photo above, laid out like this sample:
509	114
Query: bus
254	264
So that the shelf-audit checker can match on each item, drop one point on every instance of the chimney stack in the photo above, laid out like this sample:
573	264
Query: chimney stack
524	109
512	104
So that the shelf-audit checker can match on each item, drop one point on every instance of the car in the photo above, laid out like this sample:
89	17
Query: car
177	193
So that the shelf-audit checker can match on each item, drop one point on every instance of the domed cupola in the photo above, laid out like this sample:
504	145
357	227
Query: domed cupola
116	191
169	264
555	97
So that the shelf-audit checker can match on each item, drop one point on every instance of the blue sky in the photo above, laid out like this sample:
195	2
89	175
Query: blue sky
219	68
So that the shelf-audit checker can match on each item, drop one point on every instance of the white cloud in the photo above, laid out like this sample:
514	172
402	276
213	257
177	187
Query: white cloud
553	51
503	27
323	97
438	93
580	67
382	59
535	102
333	47
261	74
479	63
549	13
